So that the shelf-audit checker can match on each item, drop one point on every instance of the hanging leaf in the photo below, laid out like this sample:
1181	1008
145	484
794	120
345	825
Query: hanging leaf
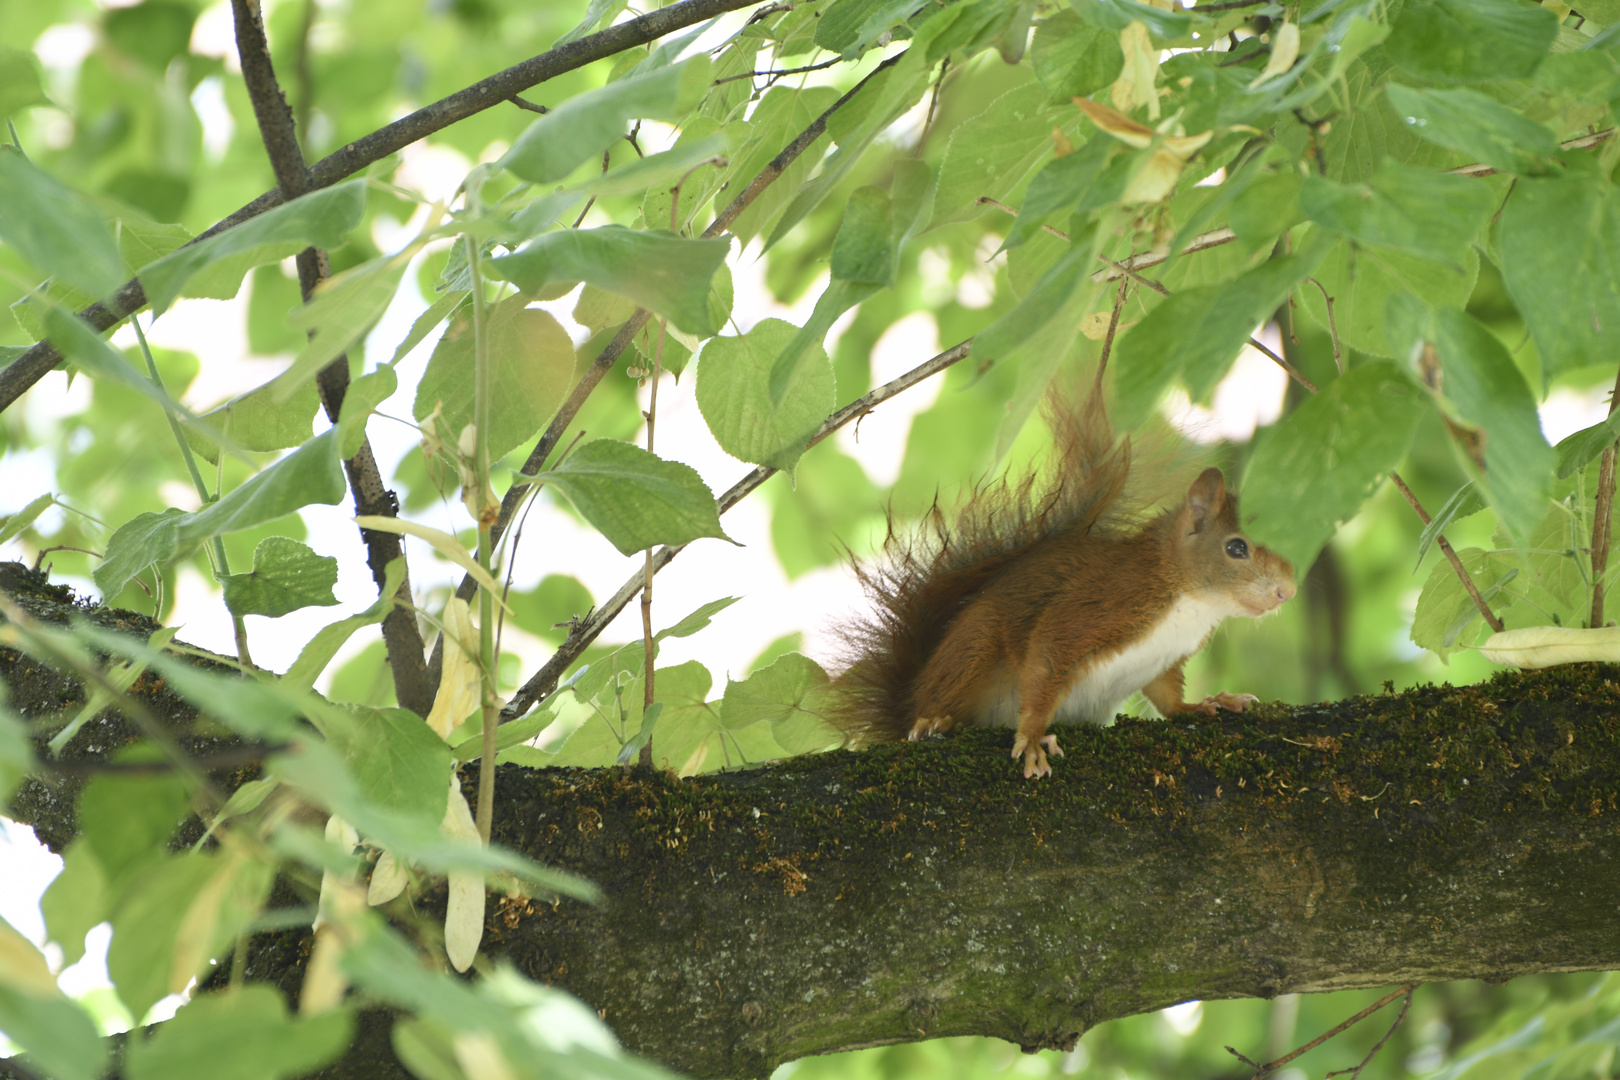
286	576
636	499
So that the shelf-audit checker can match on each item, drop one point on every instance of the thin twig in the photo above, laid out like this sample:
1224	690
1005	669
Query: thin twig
22	373
933	107
1379	1045
1602	511
371	496
1451	556
1333	327
774	75
1272	1066
1142	260
627	333
1113	326
1583	142
544	681
985	200
1293	372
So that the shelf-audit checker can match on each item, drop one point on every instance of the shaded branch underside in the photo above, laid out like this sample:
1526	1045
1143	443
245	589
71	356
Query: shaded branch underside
922	890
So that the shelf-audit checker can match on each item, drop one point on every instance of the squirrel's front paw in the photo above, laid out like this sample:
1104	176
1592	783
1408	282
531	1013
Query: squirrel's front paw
1034	754
1230	702
930	725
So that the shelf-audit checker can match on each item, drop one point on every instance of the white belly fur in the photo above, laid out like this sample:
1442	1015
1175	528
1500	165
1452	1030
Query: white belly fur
1109	680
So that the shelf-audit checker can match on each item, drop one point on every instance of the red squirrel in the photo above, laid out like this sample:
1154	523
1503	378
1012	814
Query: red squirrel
1051	601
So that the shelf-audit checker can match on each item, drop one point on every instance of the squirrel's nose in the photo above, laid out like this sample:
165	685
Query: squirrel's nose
1285	592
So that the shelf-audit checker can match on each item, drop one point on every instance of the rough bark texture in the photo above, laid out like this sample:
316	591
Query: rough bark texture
921	890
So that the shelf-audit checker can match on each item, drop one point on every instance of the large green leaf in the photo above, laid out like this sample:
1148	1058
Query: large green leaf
59	1036
531	369
19	82
76	902
286	576
142	541
1488	391
1325	458
1561	262
91	354
56	229
1420	211
126	821
665	273
779	694
733	392
320	649
258	421
310	474
992	153
1074	58
1477	125
583	126
320	218
359	402
146	927
634	498
1471	40
342	310
400	763
1362	279
241	1034
1197	333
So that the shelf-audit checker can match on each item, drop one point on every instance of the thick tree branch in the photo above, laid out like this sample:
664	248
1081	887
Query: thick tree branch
912	891
543	682
401	635
32	365
627	333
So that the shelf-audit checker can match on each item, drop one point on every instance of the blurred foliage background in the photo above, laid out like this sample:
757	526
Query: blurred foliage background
146	111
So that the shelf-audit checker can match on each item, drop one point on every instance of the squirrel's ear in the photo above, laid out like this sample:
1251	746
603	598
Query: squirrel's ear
1206	498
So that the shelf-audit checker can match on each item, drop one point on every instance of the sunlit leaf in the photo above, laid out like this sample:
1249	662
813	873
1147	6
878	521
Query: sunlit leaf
636	499
57	230
286	576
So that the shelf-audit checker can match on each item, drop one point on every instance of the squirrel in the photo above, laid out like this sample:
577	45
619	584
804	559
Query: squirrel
1050	600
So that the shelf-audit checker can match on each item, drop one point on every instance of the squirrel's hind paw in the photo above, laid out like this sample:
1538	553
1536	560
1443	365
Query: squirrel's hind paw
930	725
1034	754
1229	702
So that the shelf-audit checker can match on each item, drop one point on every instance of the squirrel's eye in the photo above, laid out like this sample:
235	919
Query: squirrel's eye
1237	548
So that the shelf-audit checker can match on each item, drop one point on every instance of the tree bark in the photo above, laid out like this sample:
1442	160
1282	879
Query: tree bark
846	900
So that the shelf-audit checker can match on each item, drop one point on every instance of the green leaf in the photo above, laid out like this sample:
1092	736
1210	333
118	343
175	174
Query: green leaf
310	474
793	685
1323	460
56	229
1068	278
76	902
425	322
13	524
320	649
342	310
16	754
259	421
1464	502
848	26
1444	608
1472	123
19	82
634	498
1471	40
1073	58
1266	207
1116	15
271	297
531	361
991	154
1560	261
320	218
142	241
243	1033
583	126
1419	211
1488	391
126	821
1198	332
92	355
60	1038
142	541
557	599
697	620
1362	279
146	927
733	392
1574	451
400	763
359	402
286	576
660	271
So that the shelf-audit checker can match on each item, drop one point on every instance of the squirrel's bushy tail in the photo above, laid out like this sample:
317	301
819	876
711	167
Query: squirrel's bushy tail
923	579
